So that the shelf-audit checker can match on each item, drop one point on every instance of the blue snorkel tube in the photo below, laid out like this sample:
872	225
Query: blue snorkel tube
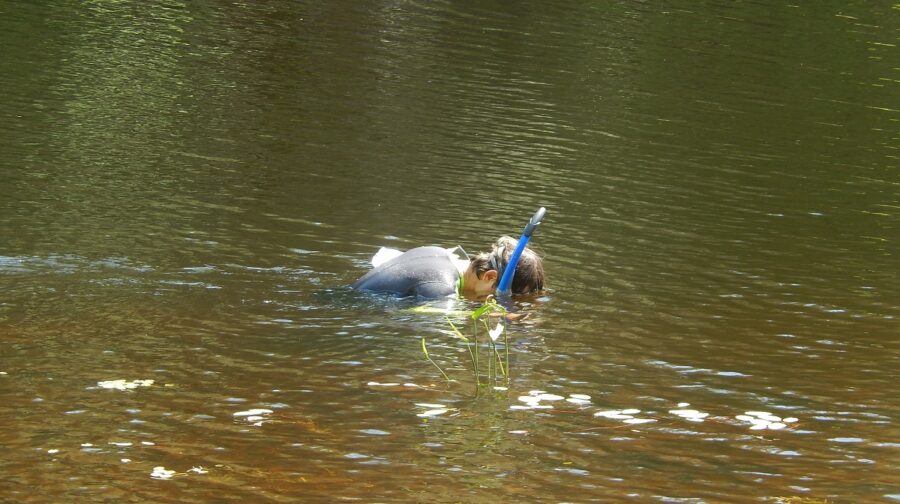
503	288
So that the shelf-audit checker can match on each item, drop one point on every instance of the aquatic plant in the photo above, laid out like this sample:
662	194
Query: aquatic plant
482	319
425	351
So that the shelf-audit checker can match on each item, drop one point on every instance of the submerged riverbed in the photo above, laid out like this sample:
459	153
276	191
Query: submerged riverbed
188	189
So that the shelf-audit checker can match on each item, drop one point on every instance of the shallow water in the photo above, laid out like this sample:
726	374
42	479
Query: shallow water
187	189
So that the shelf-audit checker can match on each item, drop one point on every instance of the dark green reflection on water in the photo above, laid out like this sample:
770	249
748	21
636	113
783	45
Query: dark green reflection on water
188	187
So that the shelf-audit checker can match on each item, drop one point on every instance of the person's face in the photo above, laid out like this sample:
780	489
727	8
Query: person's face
479	288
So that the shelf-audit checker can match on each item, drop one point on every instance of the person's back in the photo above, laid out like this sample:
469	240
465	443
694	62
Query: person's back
435	272
426	272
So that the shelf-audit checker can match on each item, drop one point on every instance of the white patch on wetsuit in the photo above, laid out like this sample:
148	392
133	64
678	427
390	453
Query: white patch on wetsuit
459	257
384	255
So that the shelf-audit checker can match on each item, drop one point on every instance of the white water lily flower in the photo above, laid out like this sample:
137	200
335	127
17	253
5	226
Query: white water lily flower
496	332
124	385
160	472
198	470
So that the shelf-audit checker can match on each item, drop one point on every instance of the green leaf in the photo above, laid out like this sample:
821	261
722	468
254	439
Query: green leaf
477	314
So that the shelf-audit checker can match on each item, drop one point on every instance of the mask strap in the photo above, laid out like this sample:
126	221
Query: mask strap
494	261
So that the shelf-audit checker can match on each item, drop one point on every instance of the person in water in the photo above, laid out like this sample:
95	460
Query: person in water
432	272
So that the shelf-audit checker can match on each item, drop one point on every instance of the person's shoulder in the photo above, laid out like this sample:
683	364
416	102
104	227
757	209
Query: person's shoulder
432	248
426	251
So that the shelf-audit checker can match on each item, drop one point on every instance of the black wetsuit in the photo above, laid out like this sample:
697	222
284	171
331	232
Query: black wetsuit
426	272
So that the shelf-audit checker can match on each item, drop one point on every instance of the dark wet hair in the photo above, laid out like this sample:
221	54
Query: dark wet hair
529	276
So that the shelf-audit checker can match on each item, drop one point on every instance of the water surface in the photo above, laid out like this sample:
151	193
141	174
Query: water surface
188	188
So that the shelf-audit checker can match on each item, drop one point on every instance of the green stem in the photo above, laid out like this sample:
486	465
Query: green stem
425	350
475	338
500	364
492	371
506	347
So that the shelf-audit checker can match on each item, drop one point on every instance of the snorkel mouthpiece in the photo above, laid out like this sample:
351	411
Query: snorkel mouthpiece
503	288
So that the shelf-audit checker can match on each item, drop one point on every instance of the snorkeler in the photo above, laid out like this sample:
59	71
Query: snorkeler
435	272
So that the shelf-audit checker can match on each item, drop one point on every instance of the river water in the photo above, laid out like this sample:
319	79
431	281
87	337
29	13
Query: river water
189	187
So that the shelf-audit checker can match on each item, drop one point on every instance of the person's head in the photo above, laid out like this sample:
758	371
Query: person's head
485	270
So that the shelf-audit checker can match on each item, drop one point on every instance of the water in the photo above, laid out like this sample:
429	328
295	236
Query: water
187	189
